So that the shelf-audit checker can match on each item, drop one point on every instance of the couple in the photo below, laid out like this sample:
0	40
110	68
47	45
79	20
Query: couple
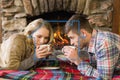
103	47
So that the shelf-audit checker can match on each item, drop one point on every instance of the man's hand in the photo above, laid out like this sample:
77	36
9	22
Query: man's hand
72	54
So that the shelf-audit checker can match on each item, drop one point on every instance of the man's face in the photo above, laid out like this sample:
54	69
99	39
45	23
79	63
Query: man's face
74	39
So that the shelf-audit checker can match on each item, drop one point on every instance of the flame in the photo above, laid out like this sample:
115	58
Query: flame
59	39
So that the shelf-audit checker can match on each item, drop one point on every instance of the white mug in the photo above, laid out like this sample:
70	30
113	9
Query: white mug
45	45
73	47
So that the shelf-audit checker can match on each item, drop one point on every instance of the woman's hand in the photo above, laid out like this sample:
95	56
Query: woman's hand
43	52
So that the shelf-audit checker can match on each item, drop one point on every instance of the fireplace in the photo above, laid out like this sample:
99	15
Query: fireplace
57	20
60	38
16	14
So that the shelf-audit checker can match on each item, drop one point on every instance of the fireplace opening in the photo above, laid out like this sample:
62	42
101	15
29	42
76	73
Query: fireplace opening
57	20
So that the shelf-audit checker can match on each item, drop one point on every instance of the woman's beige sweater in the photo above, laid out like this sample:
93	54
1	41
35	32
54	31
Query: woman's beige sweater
16	53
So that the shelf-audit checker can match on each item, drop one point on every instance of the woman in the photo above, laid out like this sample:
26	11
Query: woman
21	51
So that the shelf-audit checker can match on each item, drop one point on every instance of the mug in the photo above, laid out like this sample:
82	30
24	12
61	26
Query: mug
73	47
45	45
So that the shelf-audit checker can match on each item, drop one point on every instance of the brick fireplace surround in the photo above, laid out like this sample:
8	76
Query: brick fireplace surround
15	12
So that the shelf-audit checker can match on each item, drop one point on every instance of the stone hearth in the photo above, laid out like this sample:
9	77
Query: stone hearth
16	12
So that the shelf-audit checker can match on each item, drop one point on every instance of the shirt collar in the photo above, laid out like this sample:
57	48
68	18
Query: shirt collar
92	44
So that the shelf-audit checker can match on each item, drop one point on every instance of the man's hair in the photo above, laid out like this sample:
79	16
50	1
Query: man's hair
76	22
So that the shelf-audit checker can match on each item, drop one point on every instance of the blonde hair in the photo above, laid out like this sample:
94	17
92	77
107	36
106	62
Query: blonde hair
36	24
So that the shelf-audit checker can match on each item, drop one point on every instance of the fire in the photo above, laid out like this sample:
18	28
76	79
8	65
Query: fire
60	39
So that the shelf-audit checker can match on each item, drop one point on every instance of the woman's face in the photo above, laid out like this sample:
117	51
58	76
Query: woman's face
41	36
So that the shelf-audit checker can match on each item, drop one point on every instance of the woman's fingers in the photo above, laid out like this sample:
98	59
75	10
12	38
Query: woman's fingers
43	55
43	52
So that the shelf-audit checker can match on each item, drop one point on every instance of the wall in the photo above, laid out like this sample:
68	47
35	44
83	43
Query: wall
116	17
0	25
15	12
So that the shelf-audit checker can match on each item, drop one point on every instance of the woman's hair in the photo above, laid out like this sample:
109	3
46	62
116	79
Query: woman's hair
35	25
76	22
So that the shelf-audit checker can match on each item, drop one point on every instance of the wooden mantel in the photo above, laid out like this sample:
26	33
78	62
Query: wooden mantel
116	17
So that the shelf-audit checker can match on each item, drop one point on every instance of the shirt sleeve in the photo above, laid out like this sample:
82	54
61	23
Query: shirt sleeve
107	56
26	64
86	69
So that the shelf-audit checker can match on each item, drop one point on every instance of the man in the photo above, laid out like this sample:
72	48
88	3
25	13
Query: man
103	48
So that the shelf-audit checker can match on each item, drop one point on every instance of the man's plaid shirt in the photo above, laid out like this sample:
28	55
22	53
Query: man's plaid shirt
105	47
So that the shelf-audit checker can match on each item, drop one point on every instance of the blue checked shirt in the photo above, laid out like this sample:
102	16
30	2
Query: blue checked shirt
104	49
